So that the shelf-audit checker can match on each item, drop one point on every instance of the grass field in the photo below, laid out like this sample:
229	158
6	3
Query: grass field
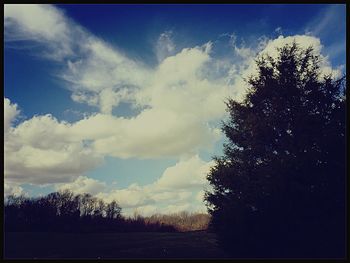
197	244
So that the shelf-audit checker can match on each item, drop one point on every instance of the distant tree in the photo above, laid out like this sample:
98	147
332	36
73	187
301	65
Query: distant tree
87	204
113	210
68	204
100	209
66	212
279	188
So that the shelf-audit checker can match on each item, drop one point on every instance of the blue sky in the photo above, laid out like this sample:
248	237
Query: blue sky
125	101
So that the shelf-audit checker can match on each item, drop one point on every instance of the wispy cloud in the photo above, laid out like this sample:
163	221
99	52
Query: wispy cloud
165	46
42	23
279	30
330	24
328	19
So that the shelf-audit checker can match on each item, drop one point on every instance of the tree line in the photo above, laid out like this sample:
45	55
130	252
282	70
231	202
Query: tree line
65	211
183	221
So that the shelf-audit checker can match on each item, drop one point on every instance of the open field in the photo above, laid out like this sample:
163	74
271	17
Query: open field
197	244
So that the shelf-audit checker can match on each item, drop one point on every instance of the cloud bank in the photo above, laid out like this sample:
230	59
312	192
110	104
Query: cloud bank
179	103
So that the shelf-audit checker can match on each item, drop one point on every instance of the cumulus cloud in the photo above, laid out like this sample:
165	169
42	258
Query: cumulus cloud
45	150
177	189
10	113
82	185
270	47
40	150
303	41
11	188
136	196
188	173
178	104
178	100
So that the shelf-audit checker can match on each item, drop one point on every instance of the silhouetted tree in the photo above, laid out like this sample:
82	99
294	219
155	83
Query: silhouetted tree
86	207
113	210
279	188
100	209
66	212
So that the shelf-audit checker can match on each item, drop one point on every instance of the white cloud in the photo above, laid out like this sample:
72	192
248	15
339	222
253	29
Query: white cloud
91	99
44	150
180	105
179	101
102	67
200	196
83	184
177	189
188	173
110	98
10	113
11	188
133	196
42	23
146	210
92	64
41	150
245	52
242	50
269	46
154	134
165	46
278	30
42	20
329	19
176	208
304	42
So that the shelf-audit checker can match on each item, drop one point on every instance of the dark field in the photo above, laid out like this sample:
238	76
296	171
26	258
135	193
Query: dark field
196	244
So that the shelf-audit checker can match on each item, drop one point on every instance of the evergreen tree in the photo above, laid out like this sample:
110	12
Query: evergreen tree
279	188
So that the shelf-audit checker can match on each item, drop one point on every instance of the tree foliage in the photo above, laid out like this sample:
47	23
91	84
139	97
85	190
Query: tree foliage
279	188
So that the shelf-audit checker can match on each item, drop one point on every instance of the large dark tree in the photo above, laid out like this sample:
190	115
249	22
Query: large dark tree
279	189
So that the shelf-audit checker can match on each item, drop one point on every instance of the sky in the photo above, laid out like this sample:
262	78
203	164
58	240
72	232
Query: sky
126	101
